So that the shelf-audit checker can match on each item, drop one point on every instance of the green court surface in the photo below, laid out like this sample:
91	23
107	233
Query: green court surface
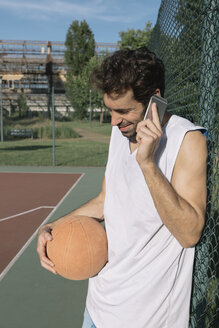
31	297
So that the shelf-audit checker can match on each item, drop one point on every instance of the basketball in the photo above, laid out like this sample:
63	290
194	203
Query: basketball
78	248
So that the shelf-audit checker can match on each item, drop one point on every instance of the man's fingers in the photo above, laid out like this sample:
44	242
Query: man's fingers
44	258
44	237
153	123
148	127
46	261
48	267
146	133
155	116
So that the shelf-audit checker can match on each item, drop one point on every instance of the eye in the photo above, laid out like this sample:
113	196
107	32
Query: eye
123	111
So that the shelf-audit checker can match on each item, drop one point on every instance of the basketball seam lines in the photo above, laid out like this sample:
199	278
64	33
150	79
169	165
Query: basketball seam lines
68	242
89	249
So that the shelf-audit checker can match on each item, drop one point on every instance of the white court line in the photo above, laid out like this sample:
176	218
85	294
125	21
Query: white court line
9	266
26	212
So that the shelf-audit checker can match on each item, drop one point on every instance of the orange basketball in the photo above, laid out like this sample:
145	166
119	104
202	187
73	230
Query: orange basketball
78	248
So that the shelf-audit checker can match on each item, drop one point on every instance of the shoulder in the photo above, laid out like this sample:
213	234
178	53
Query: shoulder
180	124
194	146
185	133
192	157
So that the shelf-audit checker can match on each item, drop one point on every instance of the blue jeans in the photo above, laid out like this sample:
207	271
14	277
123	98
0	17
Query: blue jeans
88	322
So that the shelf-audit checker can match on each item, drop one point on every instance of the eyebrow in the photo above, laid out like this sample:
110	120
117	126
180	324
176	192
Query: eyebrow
119	109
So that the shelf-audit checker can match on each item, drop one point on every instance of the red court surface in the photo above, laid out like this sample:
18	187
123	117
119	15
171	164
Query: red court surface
27	199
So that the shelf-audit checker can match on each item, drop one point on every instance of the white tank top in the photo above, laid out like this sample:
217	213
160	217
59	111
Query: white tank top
147	280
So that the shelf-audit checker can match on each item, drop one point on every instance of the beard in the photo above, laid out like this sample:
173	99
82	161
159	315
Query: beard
131	132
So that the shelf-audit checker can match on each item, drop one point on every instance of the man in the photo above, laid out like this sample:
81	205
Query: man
153	201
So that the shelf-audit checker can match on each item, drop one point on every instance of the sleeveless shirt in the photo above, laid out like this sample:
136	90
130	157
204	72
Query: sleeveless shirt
147	280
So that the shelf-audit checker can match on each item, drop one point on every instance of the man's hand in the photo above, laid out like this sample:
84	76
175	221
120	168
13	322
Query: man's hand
149	133
93	208
44	235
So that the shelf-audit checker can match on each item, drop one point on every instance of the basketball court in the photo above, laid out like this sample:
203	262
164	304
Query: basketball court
29	295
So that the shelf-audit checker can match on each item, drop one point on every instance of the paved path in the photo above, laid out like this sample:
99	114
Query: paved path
90	135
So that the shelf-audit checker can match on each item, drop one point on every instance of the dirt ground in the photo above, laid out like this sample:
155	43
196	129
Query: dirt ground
89	135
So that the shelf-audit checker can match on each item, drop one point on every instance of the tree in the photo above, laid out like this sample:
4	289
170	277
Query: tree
80	47
136	38
78	90
22	105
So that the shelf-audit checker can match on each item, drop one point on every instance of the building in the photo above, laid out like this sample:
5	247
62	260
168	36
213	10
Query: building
32	68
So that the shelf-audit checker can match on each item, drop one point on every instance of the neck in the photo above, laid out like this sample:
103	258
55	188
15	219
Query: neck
133	139
166	118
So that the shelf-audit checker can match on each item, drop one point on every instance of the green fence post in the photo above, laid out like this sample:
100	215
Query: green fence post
1	111
207	118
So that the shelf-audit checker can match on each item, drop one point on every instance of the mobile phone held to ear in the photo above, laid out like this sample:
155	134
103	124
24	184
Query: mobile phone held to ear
161	107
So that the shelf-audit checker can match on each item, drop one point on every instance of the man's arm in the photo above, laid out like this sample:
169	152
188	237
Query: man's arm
181	204
93	208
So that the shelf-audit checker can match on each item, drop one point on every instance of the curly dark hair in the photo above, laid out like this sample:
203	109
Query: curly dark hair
139	70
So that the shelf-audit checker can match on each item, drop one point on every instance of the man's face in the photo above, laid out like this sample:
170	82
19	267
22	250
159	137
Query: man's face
125	112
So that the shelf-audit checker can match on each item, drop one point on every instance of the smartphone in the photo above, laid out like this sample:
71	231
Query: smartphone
161	107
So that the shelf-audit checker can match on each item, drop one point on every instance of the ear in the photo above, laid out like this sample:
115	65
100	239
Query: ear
157	91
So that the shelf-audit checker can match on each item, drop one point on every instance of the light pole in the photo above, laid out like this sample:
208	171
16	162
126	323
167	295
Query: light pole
1	110
90	114
53	127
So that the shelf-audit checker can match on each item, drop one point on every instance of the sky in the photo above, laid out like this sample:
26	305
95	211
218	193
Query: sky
49	20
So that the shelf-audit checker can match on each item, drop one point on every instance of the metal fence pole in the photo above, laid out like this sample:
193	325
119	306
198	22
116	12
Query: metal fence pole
1	109
209	66
90	114
53	128
207	118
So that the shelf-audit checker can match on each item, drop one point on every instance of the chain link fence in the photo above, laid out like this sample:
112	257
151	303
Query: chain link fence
186	38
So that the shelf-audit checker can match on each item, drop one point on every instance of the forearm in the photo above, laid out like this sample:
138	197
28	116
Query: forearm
93	208
178	215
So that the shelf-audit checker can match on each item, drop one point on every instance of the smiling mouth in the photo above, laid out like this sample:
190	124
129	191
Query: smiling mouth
125	127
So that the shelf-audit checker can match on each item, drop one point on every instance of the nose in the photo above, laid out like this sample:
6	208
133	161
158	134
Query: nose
115	118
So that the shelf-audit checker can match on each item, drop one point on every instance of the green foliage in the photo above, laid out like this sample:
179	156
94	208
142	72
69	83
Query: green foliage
135	38
22	105
45	132
80	46
78	90
96	97
61	132
80	58
78	93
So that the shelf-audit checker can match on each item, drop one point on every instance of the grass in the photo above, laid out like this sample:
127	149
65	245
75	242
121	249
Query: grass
68	151
104	129
74	152
42	128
